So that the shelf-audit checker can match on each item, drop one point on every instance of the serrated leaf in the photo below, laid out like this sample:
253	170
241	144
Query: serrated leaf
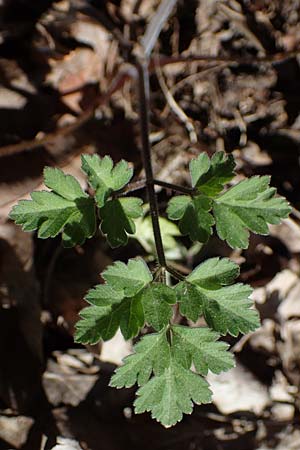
118	303
210	176
193	215
104	295
199	167
190	305
172	394
214	273
152	355
102	322
230	311
129	278
117	218
66	209
250	205
157	301
104	177
226	309
199	346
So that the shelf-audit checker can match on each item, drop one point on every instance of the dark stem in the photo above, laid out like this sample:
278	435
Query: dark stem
175	187
272	59
141	184
178	276
144	94
131	187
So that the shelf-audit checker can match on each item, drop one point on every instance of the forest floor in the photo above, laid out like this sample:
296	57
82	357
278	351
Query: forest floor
58	61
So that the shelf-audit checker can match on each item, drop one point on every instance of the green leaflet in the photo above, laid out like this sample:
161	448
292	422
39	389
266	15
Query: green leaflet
104	177
250	205
126	304
157	301
152	355
118	303
117	218
102	323
193	215
104	295
190	302
172	394
129	278
214	273
65	209
172	388
210	176
199	346
208	290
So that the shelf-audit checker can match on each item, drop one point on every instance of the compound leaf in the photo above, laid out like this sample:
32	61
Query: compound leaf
250	205
193	215
157	301
152	355
129	278
117	218
171	394
104	177
161	367
65	209
210	176
225	306
199	346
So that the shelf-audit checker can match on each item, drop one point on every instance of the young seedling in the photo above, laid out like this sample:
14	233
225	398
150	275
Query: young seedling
169	366
132	297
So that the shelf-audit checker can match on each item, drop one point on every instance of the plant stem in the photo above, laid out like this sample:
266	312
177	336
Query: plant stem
132	187
174	187
141	184
178	276
144	94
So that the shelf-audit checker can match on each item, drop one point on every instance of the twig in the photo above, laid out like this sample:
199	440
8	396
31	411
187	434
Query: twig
177	110
197	75
156	24
144	94
272	59
119	81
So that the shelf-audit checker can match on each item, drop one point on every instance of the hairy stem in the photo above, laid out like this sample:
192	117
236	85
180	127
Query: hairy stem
144	94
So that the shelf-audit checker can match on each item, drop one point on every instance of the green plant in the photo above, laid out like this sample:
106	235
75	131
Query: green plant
132	296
